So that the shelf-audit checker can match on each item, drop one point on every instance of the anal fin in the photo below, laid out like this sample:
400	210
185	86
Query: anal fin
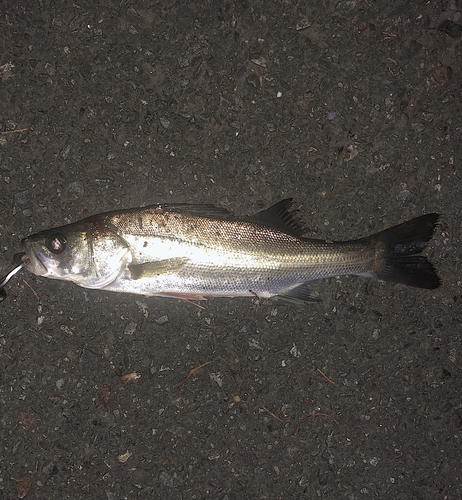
301	294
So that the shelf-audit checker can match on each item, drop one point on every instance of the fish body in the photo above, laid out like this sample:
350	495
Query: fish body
199	251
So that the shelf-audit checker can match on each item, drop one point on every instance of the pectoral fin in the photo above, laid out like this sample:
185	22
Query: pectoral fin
188	297
156	268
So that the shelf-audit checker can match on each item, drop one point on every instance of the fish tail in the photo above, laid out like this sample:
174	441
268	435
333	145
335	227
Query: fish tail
397	261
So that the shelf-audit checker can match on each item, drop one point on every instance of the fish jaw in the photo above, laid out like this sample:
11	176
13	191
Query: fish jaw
36	263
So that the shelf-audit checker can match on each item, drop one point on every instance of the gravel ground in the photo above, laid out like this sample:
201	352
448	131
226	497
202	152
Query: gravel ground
351	107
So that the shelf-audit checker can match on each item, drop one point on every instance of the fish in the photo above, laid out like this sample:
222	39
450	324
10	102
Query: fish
193	252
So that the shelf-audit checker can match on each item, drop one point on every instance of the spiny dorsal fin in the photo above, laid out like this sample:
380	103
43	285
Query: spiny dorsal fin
209	211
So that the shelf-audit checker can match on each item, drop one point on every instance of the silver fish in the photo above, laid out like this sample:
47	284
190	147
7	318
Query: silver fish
196	251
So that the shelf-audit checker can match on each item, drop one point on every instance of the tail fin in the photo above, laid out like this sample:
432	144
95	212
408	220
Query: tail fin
401	243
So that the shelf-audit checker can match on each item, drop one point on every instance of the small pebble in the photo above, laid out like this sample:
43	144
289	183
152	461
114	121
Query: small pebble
450	28
130	328
164	122
161	319
253	80
319	164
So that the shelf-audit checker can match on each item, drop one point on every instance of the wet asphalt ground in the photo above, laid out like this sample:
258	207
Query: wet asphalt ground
351	107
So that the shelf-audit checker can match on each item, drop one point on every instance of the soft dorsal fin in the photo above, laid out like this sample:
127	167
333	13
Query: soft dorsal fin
279	217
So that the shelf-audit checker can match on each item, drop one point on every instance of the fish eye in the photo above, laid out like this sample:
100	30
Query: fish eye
56	243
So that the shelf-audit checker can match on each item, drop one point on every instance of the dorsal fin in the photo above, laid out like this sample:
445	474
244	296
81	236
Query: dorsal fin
209	211
279	217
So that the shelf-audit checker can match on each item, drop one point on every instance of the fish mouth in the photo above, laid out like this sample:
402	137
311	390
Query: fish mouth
35	265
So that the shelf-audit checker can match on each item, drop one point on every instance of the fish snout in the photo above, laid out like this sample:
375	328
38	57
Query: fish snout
35	265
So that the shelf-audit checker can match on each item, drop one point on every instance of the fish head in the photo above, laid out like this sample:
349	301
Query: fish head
90	253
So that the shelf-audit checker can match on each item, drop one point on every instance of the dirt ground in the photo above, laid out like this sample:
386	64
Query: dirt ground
351	107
